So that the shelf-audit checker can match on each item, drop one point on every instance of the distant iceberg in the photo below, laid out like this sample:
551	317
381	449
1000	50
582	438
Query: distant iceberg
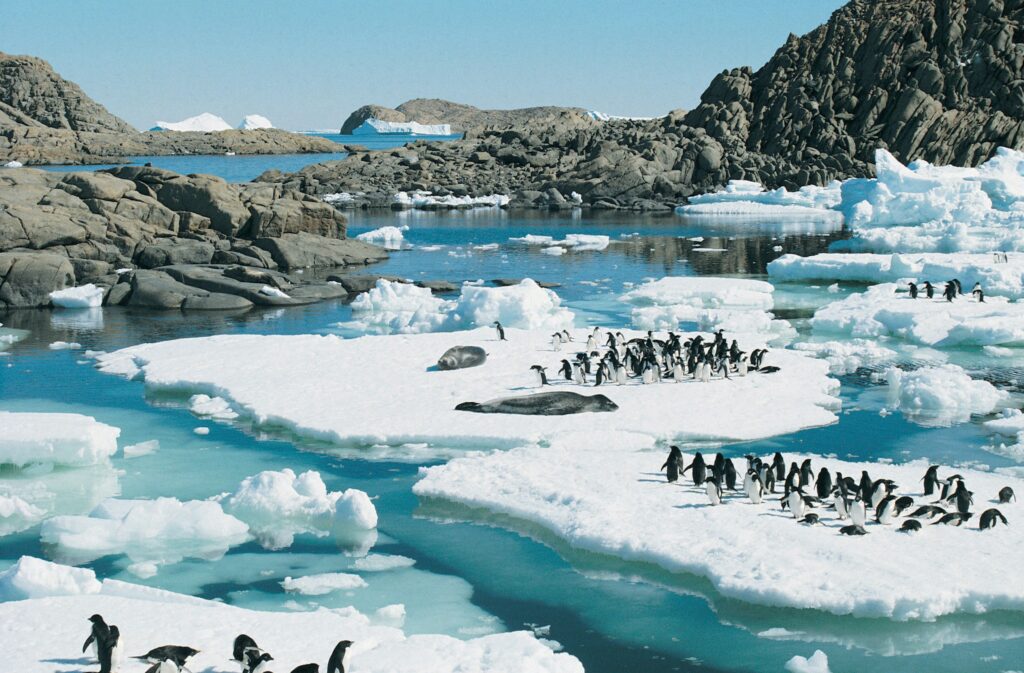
204	123
605	117
253	122
378	127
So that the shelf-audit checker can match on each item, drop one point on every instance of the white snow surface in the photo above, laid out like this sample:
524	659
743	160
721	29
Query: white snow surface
404	308
13	164
277	505
373	126
44	635
361	381
389	238
614	501
253	122
56	439
882	311
205	123
941	395
83	296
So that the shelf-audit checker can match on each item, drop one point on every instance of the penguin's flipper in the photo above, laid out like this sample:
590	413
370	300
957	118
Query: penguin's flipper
88	642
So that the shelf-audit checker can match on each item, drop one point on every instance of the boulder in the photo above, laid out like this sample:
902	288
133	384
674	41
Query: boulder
300	251
27	278
167	251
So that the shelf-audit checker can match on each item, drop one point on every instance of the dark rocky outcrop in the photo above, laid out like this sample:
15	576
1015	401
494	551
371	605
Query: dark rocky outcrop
464	118
177	231
940	80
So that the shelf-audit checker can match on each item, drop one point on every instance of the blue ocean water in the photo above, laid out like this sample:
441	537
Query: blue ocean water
474	571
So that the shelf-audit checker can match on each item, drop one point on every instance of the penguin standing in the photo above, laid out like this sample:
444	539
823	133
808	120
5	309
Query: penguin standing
542	378
858	513
673	464
730	475
566	370
885	512
931	479
556	342
779	463
501	331
1005	495
842	507
109	651
97	634
929	290
714	490
578	374
753	486
795	500
336	664
823	484
913	290
700	469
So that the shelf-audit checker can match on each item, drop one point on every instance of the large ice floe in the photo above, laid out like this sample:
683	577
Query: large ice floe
941	395
999	273
205	123
614	501
43	622
358	382
55	439
389	238
747	198
883	311
393	307
374	126
707	303
571	242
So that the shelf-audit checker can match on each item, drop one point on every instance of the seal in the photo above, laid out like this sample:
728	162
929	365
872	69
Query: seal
462	357
557	403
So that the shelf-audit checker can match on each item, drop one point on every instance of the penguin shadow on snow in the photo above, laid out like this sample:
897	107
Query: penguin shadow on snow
80	661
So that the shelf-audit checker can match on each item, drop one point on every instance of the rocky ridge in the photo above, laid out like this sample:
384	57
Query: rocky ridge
462	118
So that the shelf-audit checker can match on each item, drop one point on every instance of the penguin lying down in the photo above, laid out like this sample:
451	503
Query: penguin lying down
558	403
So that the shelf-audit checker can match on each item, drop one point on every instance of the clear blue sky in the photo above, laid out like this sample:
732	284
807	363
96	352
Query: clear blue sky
307	65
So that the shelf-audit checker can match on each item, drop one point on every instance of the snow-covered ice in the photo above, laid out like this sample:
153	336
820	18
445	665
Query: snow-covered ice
747	198
141	449
205	123
845	357
389	237
13	164
614	501
64	346
941	395
816	663
574	242
373	126
32	577
57	439
882	311
351	401
324	583
83	296
253	122
424	199
211	407
271	291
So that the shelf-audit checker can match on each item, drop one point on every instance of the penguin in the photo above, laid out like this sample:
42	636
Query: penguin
949	292
678	372
913	290
730	475
929	290
806	472
823	485
854	529
810	519
674	463
792	478
97	634
566	370
166	666
879	491
621	376
858	513
542	378
978	293
990	518
795	500
336	664
947	485
753	486
1005	495
885	511
577	373
929	511
179	654
109	651
700	469
307	668
254	660
768	478
903	503
910	526
599	376
714	490
779	463
957	285
964	499
866	484
556	342
931	479
953	519
242	643
842	507
501	331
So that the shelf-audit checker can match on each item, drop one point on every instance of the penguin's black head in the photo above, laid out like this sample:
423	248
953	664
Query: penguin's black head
96	619
344	644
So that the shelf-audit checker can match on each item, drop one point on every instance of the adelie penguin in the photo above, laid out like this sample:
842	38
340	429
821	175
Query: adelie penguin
1006	495
823	484
730	474
714	490
97	634
910	526
953	519
931	479
539	372
336	664
109	651
810	519
673	465
700	469
501	331
928	511
178	654
854	529
753	486
858	512
885	511
990	518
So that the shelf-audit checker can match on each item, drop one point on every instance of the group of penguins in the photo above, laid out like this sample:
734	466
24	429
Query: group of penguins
852	499
652	360
107	644
951	291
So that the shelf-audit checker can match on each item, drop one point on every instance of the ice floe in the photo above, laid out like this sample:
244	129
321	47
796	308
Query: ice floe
424	199
31	577
373	126
83	296
389	238
205	123
615	502
56	439
360	381
846	357
747	198
1011	424
884	311
277	505
141	449
253	122
211	407
41	490
816	663
44	634
574	242
325	583
941	395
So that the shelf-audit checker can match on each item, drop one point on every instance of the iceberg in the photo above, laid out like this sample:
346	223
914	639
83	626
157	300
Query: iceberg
389	238
941	396
253	122
31	577
204	123
374	126
83	296
608	501
748	198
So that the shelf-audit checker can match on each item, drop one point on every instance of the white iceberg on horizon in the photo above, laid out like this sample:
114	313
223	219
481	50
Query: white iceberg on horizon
374	126
203	123
253	122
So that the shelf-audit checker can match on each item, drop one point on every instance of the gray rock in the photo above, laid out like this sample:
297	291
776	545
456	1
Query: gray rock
167	251
27	278
300	251
215	301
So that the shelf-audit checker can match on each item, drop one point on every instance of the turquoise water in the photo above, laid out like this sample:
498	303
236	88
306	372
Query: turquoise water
476	572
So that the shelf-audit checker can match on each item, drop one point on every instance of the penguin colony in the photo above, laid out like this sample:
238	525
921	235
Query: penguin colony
944	502
951	291
107	646
652	360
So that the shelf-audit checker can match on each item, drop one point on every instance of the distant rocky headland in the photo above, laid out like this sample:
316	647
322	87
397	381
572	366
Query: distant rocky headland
46	119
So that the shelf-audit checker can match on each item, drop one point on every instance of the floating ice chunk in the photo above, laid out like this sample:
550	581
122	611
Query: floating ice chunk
279	505
62	439
374	126
817	663
486	247
270	291
603	500
325	583
16	514
13	164
404	308
941	395
211	407
253	122
881	311
31	577
393	614
846	357
423	199
750	199
201	430
65	346
164	530
83	296
389	238
554	251
575	242
204	123
382	562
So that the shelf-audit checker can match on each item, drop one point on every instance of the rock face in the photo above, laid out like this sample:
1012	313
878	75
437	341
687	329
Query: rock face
462	118
940	80
46	119
63	229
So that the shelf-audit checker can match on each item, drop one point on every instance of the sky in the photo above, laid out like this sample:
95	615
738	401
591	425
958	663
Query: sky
307	65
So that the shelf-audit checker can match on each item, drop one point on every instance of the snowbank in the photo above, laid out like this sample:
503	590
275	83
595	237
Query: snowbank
941	395
747	198
253	122
61	439
423	199
361	381
31	577
83	296
392	307
205	123
160	531
613	501
44	635
390	238
574	242
374	126
279	505
881	311
999	274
